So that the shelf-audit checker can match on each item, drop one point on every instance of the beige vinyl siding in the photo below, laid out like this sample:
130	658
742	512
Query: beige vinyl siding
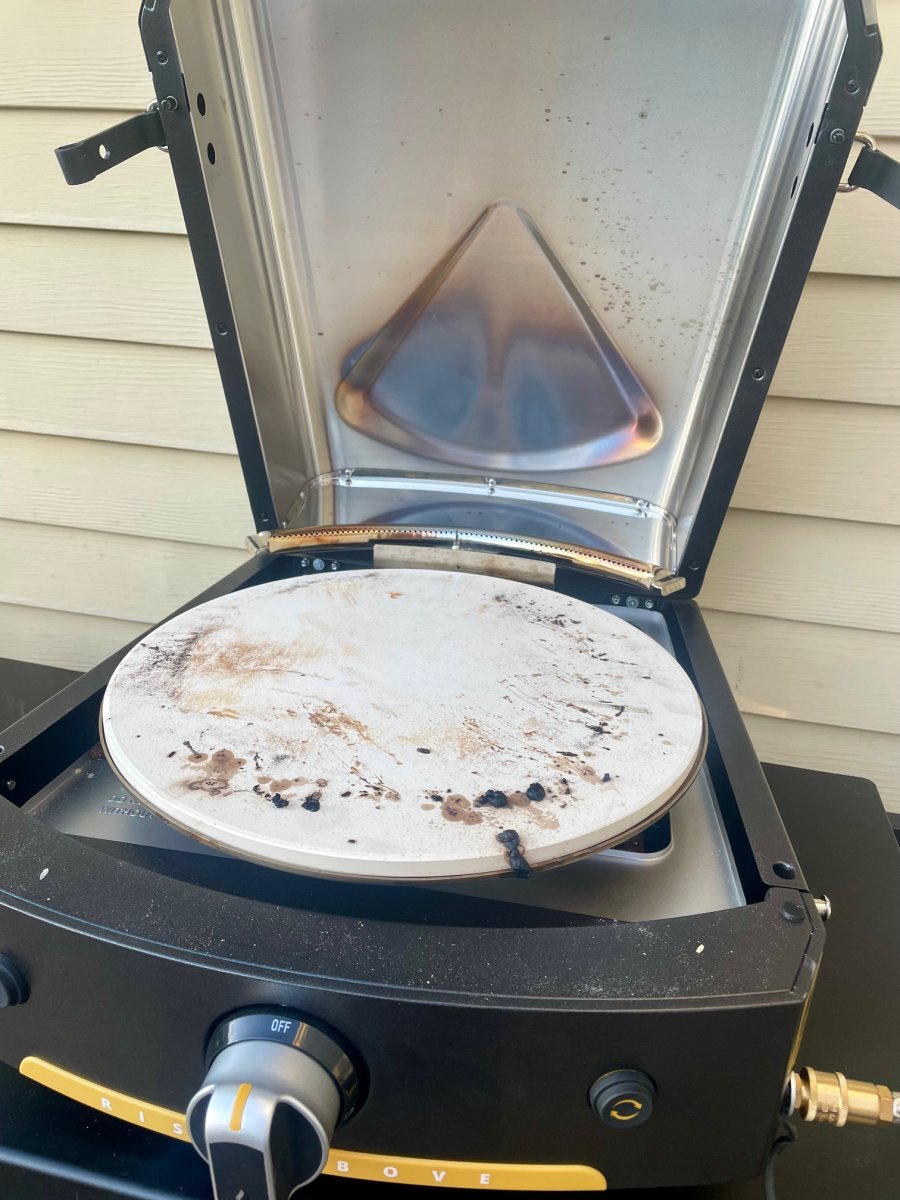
121	495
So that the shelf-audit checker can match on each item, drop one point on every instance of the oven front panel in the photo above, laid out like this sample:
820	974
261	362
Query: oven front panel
446	1083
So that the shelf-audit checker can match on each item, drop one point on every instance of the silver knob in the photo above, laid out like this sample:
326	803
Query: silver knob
268	1107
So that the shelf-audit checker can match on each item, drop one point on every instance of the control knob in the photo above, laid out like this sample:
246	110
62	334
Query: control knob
276	1087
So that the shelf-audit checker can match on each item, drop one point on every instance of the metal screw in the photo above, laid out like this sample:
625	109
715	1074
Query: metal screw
648	604
318	564
631	602
838	137
10	785
823	907
334	566
161	56
793	912
170	104
221	328
758	373
851	86
694	564
616	599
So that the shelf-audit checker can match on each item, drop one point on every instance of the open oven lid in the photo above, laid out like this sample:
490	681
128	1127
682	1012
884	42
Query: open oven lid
504	267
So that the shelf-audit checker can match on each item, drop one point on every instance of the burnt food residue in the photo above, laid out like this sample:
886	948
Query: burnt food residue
509	839
493	797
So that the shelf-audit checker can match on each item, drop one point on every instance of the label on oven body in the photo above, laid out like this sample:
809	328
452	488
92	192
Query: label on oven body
353	1164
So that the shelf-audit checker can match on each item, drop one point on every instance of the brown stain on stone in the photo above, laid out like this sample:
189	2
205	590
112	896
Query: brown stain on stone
225	764
327	717
215	787
219	768
217	656
540	816
374	789
284	785
573	767
459	808
471	738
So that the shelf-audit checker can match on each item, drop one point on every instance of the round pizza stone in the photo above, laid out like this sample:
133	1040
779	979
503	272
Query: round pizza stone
403	724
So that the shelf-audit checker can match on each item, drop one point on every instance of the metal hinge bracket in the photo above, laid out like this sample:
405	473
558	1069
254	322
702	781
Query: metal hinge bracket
875	171
83	161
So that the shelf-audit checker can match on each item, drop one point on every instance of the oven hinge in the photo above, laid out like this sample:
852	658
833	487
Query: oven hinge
83	161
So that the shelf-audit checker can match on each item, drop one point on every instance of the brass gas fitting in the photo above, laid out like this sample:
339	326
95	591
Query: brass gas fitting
831	1097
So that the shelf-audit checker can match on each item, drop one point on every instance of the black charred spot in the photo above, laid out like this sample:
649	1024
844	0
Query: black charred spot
606	777
422	750
312	803
494	798
279	801
345	794
535	792
509	839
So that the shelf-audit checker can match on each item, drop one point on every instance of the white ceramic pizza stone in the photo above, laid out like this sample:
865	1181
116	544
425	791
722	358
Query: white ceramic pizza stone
403	724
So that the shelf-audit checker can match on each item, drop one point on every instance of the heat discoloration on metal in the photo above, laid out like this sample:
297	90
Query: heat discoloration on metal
402	718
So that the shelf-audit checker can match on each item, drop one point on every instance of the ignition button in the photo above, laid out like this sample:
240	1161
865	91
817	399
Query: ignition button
623	1099
13	987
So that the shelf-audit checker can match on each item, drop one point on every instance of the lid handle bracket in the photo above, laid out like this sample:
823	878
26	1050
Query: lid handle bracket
83	161
875	171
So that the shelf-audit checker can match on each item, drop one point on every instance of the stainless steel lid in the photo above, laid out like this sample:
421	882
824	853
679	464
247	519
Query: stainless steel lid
498	266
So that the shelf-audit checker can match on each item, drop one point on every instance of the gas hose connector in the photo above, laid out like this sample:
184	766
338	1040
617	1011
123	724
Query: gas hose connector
832	1098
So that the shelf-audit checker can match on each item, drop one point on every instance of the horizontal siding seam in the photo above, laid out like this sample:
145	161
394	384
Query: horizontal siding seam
41	608
780	615
72	434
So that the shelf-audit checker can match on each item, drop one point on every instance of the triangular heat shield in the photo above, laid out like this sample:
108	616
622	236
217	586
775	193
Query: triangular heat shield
496	361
